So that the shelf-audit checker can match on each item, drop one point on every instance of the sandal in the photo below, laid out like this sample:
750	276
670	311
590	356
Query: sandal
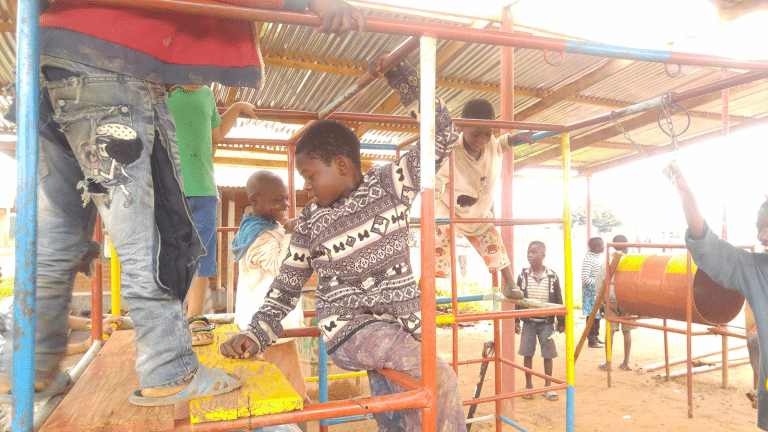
206	382
604	366
60	384
528	396
550	395
205	330
625	367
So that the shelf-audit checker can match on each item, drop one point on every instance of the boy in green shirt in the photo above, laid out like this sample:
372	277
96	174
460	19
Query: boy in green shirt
198	129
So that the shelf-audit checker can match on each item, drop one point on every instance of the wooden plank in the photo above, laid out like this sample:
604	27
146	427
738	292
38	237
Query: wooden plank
265	390
99	400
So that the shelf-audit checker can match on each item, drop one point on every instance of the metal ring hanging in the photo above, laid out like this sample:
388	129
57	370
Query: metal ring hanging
669	73
546	58
686	126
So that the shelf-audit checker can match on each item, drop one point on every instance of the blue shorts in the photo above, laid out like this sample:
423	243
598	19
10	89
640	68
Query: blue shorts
204	213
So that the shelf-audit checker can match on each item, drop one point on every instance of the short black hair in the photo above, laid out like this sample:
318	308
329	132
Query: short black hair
620	238
478	109
594	242
328	139
538	243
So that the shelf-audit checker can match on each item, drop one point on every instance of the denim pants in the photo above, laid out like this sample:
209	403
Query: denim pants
107	145
389	346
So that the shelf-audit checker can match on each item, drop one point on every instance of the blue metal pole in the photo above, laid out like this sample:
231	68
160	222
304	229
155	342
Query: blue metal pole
569	411
322	361
517	426
349	419
28	92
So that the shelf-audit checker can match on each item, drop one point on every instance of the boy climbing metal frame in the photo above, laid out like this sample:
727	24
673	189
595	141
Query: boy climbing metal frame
419	395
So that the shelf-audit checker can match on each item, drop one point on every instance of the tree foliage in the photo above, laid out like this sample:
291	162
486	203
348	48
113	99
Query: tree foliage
604	219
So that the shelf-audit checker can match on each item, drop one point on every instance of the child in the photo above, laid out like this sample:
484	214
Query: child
542	284
354	234
734	268
260	246
198	129
617	311
589	268
477	167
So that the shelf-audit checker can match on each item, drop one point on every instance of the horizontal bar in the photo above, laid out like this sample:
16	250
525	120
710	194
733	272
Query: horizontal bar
718	331
473	361
338	376
514	394
349	419
442	31
499	222
479	419
531	371
513	424
646	325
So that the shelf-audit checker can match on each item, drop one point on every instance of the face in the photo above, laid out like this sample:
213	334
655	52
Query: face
324	183
475	138
271	202
600	248
762	228
535	255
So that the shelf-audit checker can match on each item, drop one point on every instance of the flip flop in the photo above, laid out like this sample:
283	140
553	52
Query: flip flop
528	396
550	395
203	384
627	368
205	329
604	366
60	384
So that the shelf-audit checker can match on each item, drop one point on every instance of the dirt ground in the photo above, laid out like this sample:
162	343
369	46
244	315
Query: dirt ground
634	402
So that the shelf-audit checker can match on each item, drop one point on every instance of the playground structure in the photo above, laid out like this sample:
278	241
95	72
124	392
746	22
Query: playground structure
419	394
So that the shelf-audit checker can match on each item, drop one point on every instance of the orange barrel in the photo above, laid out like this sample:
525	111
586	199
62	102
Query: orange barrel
656	286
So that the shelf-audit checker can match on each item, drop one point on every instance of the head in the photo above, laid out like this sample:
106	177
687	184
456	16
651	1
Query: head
596	245
328	158
621	239
268	196
476	137
762	224
536	252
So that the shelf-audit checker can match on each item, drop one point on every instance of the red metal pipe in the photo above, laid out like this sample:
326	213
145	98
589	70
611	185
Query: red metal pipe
407	400
410	141
525	313
589	211
454	270
688	341
300	332
428	327
96	289
646	325
666	350
407	28
473	361
722	332
507	93
497	365
533	372
291	162
503	396
684	95
402	379
510	222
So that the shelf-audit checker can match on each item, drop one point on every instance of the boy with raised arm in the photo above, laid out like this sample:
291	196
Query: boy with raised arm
354	234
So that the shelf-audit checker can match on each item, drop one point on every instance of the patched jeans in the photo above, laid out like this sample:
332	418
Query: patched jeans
107	145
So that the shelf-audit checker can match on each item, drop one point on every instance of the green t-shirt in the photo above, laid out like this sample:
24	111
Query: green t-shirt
196	116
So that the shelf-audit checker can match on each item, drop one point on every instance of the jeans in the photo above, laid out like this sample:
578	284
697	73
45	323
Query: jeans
384	345
107	145
204	213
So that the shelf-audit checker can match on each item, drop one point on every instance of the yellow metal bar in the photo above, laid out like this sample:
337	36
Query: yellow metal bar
114	267
569	347
338	376
445	319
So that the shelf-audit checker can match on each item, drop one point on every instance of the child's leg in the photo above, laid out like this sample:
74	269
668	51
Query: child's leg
528	349
547	371
442	251
528	362
383	345
491	249
548	348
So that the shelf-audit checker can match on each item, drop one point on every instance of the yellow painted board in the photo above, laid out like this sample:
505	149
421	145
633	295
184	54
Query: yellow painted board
265	390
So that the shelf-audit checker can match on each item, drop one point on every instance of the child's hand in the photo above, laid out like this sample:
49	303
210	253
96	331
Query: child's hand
116	321
290	225
240	346
518	329
521	136
375	64
673	173
246	108
338	17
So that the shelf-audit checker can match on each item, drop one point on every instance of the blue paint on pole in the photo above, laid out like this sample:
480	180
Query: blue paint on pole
537	136
461	299
28	92
510	422
349	419
617	52
322	361
569	413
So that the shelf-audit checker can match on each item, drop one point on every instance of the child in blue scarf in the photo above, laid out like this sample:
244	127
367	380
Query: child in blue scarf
259	247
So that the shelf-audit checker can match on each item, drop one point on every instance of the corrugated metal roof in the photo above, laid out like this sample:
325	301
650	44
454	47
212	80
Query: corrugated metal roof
474	72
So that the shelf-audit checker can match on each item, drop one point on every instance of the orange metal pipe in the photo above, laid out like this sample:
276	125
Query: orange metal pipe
532	372
657	286
96	290
503	396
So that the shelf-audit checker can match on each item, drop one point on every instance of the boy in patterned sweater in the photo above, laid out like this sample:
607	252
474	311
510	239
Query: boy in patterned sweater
354	234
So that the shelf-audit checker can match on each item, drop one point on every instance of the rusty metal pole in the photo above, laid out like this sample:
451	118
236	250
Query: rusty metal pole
666	350
454	276
96	289
589	207
724	117
507	232
689	310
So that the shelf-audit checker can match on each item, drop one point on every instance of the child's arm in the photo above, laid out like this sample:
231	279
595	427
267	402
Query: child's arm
559	300
586	272
228	120
405	80
691	209
281	299
267	253
508	141
338	16
517	320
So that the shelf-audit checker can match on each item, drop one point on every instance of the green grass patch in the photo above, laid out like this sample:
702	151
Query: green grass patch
6	288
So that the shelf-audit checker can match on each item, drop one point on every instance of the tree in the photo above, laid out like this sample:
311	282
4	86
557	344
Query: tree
603	219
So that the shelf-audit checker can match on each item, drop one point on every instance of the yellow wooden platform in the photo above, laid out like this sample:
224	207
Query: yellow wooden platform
99	400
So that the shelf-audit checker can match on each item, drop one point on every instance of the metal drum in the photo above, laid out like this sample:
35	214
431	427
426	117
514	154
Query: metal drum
656	286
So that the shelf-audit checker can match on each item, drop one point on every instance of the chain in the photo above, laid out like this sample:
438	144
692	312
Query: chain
627	137
667	106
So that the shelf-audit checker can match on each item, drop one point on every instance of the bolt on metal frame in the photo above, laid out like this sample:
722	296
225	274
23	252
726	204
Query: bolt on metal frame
419	394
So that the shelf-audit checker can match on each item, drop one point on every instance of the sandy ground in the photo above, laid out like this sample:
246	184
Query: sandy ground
634	402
